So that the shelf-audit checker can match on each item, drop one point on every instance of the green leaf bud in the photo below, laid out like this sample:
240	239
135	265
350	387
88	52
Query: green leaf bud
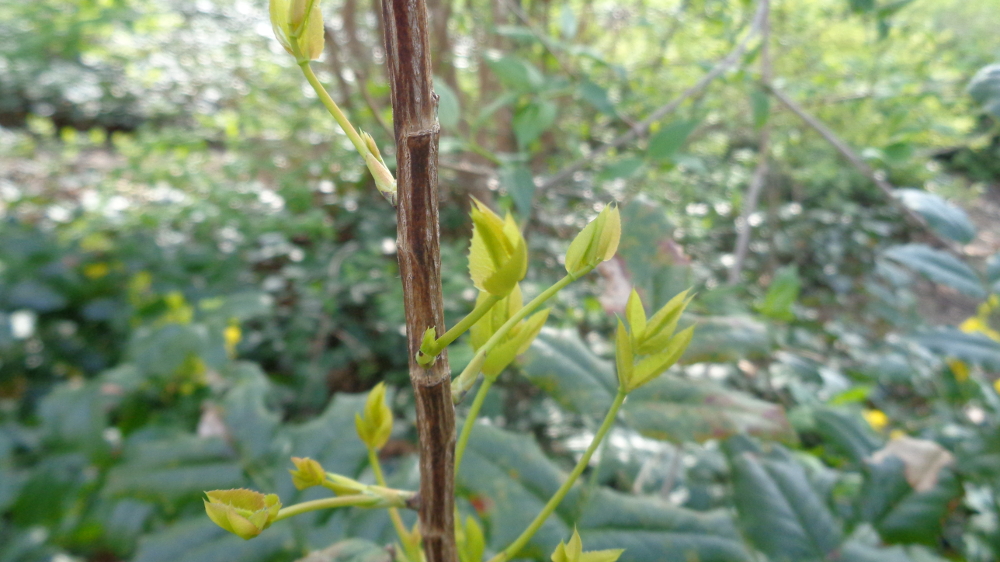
573	552
375	427
470	541
244	513
624	357
597	242
307	473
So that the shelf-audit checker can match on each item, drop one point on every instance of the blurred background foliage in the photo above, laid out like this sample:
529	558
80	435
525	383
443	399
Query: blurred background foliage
197	276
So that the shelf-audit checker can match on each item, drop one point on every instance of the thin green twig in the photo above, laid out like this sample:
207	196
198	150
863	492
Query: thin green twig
522	540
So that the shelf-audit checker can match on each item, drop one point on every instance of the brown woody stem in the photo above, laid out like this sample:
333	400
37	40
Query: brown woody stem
414	106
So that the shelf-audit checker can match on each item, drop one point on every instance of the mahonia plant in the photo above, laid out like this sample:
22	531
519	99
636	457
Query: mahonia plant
501	327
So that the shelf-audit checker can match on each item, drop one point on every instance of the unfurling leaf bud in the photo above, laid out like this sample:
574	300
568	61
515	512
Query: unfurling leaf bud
498	256
298	26
597	242
384	180
244	513
375	427
654	339
307	473
573	552
471	543
515	342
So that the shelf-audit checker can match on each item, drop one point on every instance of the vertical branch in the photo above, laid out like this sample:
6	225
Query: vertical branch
407	45
743	228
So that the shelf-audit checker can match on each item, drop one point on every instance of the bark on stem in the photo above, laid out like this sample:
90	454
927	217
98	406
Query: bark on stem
407	47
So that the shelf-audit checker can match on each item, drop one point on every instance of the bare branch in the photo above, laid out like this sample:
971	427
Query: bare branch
743	227
855	159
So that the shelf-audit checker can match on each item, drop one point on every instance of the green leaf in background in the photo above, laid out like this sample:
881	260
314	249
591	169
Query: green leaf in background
782	294
350	550
670	408
655	263
199	540
172	483
900	513
993	273
568	24
985	89
679	410
510	478
596	96
449	110
532	120
519	183
760	105
975	349
848	433
938	266
516	74
239	306
862	6
946	219
779	510
651	529
718	339
623	168
668	140
248	420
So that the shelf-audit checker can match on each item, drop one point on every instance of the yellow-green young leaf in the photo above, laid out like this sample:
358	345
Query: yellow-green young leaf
654	365
307	473
498	256
297	13
311	41
624	357
611	234
471	543
377	420
661	326
244	513
635	315
597	242
279	23
516	343
579	248
497	316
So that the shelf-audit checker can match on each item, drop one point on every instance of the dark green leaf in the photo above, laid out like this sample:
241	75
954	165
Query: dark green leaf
939	266
200	540
511	478
898	512
655	263
351	550
248	420
175	483
975	349
669	408
665	143
946	219
847	433
727	338
651	529
679	410
779	510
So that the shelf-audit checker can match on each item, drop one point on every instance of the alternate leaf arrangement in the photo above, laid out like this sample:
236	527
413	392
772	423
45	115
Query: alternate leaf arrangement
501	327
